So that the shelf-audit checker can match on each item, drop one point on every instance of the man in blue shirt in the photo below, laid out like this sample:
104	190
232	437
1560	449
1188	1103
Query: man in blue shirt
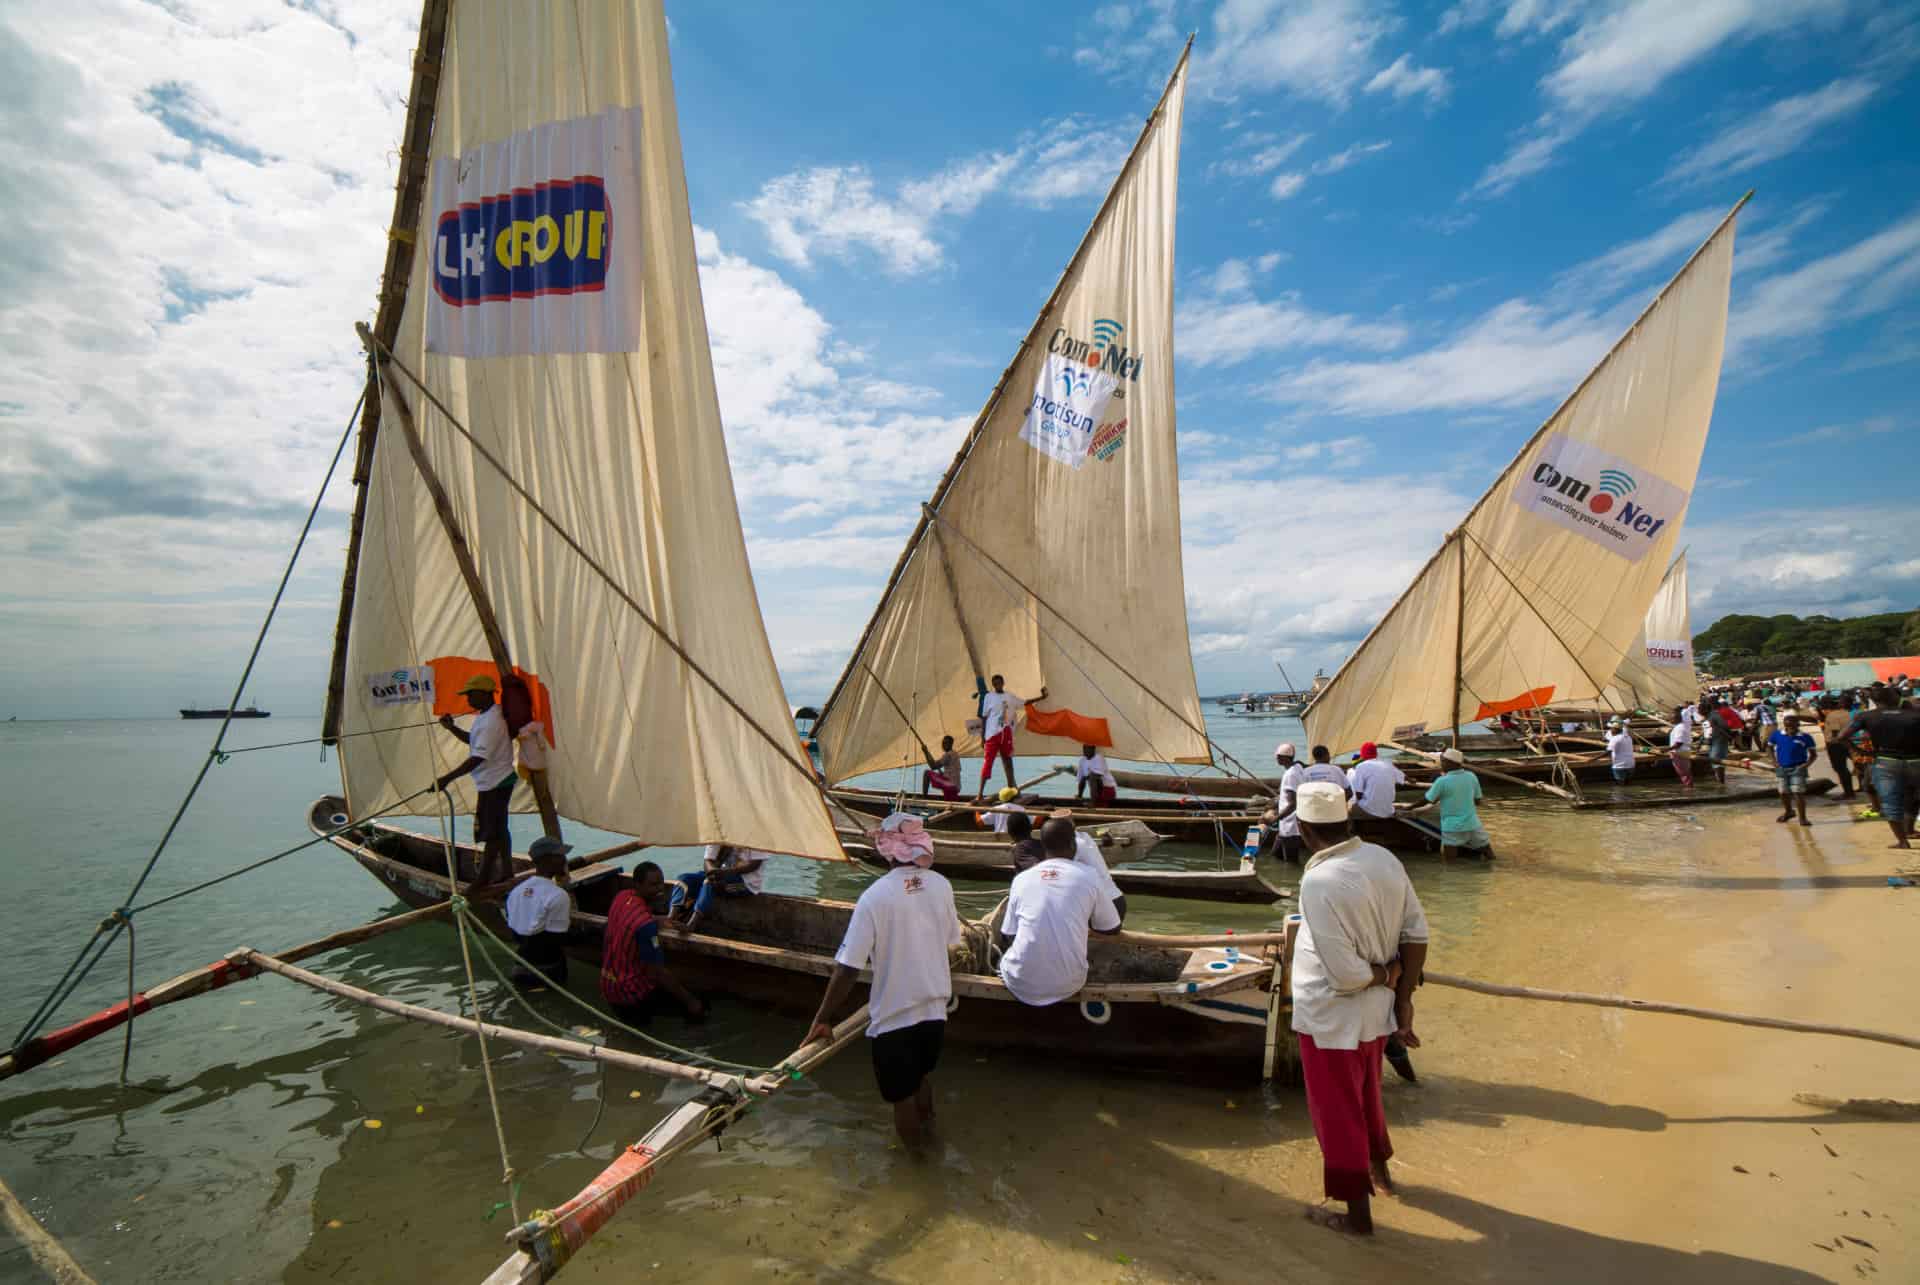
1792	752
1456	791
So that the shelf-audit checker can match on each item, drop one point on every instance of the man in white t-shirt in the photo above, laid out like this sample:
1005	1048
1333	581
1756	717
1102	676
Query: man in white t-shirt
1321	769
540	913
1286	824
1090	771
1372	781
490	763
999	710
1680	748
904	924
1620	751
1050	910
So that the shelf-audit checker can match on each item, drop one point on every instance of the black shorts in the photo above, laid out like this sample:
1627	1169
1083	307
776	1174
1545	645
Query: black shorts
903	1058
546	953
490	812
1291	846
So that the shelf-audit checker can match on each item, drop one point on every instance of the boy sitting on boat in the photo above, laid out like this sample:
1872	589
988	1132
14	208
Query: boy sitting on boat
539	912
726	871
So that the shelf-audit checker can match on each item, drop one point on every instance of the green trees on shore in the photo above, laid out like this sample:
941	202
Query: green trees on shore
1735	645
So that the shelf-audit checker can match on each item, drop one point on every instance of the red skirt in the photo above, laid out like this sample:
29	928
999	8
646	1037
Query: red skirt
1343	1097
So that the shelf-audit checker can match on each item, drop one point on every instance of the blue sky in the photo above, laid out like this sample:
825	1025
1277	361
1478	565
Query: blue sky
1405	232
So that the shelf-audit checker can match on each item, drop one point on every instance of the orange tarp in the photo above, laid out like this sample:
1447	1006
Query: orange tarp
1526	700
450	674
1068	725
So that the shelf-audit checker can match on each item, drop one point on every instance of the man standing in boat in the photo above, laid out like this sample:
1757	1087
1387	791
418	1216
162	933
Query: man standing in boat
1361	950
490	763
999	709
904	925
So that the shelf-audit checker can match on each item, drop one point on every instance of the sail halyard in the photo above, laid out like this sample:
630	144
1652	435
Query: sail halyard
553	351
1033	555
1657	672
1517	639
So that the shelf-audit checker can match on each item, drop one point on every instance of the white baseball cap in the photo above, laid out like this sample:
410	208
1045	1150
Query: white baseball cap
1284	750
1321	803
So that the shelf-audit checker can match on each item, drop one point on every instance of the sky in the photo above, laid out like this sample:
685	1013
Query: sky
1405	234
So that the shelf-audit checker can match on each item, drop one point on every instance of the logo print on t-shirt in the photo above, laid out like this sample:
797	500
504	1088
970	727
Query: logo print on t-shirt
912	883
1049	875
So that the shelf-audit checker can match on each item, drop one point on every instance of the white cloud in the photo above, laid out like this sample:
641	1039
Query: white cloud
1285	185
1267	155
1132	41
1346	157
836	211
1515	355
1852	561
1875	274
1316	48
1230	327
1619	54
1406	79
1782	128
1874	427
833	210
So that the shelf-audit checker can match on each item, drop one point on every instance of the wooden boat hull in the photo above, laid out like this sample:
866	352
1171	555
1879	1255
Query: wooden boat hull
1700	799
1187	1010
1175	820
1588	768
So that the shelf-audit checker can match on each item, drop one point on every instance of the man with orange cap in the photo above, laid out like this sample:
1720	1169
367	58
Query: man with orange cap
490	763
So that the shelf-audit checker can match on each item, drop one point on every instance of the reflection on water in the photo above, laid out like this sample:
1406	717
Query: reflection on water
244	1149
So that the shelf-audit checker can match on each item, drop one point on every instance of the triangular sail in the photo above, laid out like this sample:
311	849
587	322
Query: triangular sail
1054	553
555	312
1657	674
1537	596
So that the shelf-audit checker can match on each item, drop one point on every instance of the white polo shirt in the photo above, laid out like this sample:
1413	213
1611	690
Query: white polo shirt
997	817
488	741
538	905
1681	737
1049	911
903	924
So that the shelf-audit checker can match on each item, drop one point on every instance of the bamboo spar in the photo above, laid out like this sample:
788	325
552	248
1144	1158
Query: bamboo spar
463	558
417	138
48	1254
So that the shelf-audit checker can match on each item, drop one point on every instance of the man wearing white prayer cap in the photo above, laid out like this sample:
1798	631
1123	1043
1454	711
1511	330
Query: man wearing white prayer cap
1359	954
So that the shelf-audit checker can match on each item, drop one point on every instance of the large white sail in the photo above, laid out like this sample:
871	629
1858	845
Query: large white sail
1537	596
1657	673
554	309
1054	558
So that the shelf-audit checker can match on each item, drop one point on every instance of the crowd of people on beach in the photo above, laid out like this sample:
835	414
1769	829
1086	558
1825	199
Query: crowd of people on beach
1355	952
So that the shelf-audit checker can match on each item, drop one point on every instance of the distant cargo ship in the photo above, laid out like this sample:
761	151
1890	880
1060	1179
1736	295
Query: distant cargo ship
249	712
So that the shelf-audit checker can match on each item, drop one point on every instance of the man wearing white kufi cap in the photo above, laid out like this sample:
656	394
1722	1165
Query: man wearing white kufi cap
1359	954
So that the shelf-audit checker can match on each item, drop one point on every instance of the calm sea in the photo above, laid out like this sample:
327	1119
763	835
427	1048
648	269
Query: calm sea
241	1148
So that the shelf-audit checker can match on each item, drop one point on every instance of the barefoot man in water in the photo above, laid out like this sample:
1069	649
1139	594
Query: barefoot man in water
1359	955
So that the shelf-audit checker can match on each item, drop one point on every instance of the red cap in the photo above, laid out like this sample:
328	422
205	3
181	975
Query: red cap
1369	750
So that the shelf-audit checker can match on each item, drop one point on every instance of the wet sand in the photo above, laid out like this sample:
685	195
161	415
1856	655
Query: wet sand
1544	1142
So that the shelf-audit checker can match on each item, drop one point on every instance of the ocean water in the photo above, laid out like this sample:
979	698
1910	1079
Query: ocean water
242	1149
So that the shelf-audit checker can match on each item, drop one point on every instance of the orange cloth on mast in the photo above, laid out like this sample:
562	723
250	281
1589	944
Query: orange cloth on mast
1527	700
451	672
1070	726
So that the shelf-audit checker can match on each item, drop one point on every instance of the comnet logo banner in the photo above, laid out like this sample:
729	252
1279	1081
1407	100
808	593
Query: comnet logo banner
1613	502
535	242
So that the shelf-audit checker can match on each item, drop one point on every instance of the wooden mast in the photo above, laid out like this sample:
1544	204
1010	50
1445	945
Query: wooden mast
993	399
463	558
415	146
1459	628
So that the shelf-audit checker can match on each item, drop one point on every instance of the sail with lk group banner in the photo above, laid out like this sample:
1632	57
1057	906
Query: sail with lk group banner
553	312
1538	596
1050	551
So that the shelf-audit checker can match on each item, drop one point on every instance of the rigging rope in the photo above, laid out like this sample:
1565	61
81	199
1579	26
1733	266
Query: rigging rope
77	971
